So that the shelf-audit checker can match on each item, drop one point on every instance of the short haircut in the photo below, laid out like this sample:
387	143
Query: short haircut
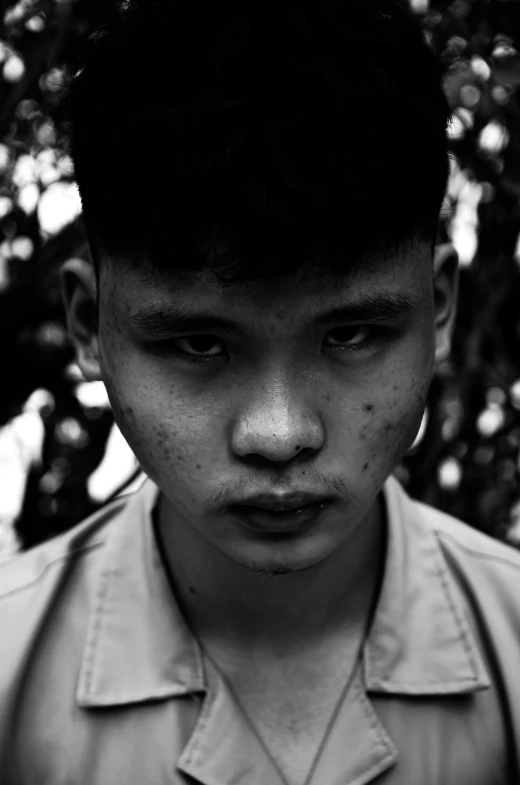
257	137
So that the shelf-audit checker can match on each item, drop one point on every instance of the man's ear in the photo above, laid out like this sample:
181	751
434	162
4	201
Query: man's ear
445	289
79	292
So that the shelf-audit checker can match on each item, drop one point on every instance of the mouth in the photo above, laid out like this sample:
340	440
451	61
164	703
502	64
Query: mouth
279	521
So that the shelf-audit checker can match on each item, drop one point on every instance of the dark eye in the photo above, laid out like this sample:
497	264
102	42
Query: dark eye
349	336
200	346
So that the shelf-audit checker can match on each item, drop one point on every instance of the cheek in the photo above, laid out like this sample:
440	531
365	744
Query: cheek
391	425
169	436
392	416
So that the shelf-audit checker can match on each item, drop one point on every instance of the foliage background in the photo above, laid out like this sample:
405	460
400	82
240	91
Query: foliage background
467	461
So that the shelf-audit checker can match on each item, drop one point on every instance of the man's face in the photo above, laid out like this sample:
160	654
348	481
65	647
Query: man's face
313	386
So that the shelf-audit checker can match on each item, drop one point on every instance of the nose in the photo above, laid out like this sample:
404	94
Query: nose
276	424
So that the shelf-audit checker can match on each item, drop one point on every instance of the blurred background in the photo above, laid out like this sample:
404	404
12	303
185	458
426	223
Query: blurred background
61	456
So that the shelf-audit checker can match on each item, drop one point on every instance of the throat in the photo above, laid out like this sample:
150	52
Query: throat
292	703
220	597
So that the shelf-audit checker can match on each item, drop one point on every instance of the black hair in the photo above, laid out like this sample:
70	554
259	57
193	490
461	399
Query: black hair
256	137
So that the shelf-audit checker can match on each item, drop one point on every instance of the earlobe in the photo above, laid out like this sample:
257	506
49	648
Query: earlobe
79	293
445	285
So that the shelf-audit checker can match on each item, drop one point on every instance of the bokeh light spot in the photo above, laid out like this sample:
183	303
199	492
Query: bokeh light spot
36	23
514	394
6	205
470	95
490	420
52	334
14	69
449	474
58	206
22	247
500	94
493	138
28	198
92	394
24	171
5	157
70	432
480	68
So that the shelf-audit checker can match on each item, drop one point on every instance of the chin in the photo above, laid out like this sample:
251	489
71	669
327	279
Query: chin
275	568
279	559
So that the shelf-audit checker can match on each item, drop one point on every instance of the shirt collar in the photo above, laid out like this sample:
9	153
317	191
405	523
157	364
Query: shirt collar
420	641
139	647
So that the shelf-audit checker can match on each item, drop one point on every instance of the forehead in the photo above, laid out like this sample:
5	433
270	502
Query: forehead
129	290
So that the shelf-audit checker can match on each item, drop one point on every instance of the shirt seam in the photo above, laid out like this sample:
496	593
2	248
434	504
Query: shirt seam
477	554
463	633
462	636
193	746
65	558
93	638
132	698
382	738
441	571
448	685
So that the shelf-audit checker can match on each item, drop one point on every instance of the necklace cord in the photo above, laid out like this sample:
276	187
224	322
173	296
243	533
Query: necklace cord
357	660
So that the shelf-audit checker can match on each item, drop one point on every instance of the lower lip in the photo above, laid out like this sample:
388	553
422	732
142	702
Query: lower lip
280	522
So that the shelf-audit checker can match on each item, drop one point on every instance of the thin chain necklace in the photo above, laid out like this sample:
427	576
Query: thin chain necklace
330	724
346	688
337	709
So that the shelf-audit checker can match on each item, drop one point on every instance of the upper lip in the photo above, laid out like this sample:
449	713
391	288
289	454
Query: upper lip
280	502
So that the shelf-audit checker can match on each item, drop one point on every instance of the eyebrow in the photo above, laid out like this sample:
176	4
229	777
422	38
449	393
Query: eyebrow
158	319
373	307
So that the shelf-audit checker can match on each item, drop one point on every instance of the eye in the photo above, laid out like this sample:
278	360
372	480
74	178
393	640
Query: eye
349	337
200	347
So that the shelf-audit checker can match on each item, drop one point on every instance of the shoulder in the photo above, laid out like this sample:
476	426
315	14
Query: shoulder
46	593
473	545
486	569
30	569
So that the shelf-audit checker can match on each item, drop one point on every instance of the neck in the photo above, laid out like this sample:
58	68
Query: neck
223	599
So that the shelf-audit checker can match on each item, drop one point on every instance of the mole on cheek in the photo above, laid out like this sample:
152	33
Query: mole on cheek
387	428
368	407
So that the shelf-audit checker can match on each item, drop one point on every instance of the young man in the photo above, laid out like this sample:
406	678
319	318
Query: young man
261	184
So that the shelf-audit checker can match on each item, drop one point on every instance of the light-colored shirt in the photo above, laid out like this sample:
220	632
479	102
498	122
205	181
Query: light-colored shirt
103	683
